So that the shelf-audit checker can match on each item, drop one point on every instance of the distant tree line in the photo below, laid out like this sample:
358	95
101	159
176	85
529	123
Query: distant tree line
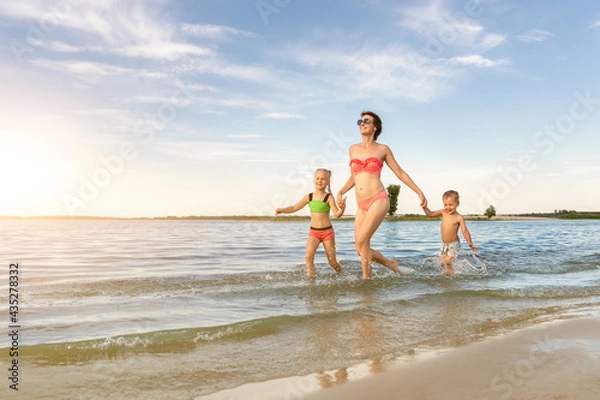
565	212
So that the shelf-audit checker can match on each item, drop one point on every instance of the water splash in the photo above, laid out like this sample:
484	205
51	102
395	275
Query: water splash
470	264
464	264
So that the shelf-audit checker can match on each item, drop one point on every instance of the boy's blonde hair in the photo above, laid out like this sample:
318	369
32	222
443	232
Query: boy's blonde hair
451	193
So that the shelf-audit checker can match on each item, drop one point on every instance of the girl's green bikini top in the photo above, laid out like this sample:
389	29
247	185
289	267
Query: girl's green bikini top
319	206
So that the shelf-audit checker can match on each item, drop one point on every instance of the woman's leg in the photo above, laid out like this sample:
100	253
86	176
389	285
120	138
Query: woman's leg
390	263
329	246
365	225
311	248
358	222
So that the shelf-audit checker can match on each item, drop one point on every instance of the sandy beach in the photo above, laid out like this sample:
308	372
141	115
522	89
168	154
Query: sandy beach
559	360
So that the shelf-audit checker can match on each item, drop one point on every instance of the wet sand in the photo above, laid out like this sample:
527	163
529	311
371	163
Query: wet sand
559	360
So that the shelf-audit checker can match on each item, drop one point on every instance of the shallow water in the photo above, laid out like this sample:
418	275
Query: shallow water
187	308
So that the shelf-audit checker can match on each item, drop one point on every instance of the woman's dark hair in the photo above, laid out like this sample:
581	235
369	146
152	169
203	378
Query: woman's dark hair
376	122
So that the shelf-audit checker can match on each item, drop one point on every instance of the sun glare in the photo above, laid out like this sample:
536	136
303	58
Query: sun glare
31	177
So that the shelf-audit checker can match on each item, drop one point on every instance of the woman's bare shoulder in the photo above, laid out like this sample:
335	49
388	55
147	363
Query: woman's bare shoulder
384	147
353	149
384	150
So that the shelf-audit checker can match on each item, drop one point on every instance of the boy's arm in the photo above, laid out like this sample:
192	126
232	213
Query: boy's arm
466	233
430	213
294	208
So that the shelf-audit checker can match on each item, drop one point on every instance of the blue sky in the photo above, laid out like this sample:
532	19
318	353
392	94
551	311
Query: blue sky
227	107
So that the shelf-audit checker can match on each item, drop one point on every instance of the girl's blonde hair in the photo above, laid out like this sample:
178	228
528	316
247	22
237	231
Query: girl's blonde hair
328	172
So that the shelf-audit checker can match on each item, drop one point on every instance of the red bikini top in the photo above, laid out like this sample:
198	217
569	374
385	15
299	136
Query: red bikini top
371	165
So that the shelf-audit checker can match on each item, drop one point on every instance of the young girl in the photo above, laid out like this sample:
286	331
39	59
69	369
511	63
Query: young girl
320	202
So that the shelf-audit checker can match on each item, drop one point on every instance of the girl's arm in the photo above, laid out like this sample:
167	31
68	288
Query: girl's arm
402	175
338	212
294	208
466	234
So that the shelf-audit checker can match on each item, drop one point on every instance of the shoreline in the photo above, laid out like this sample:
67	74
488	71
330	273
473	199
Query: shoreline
550	359
265	218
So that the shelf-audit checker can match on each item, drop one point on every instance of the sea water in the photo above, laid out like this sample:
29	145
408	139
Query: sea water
189	308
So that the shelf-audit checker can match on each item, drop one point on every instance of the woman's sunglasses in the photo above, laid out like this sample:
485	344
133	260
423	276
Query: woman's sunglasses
365	121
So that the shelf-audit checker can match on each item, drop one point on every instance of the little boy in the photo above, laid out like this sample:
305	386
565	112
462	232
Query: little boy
451	220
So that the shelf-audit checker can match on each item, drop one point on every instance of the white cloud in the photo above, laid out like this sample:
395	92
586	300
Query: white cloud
535	35
89	71
194	86
595	25
251	73
61	47
491	40
132	29
164	51
282	116
214	31
148	99
111	20
477	61
233	101
87	68
283	81
394	71
435	23
397	70
244	136
21	9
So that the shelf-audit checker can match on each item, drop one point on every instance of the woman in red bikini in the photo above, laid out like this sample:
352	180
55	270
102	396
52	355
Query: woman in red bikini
366	162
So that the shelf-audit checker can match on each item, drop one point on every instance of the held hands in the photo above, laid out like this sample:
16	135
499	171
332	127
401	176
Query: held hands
341	208
423	201
341	202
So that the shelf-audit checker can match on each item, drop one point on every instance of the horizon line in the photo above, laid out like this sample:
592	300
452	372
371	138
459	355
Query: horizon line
239	216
